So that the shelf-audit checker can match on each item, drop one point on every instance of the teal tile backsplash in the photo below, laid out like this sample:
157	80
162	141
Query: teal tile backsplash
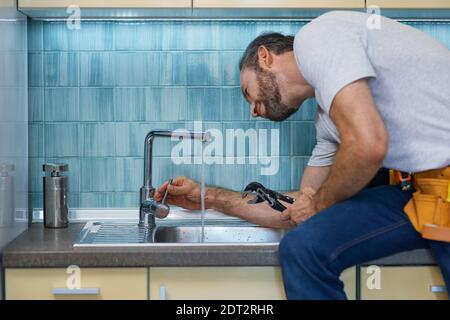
94	93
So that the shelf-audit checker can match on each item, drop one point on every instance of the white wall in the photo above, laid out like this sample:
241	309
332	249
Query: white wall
13	123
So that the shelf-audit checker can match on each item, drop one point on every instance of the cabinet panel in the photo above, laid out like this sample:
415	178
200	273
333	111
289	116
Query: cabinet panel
409	283
410	4
49	284
279	4
225	283
30	4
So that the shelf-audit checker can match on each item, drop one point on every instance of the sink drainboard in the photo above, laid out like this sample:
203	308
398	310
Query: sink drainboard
113	233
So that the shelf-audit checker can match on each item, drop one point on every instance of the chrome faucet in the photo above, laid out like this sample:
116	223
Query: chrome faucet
149	208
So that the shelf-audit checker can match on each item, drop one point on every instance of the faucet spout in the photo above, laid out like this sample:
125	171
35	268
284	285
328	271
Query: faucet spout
149	208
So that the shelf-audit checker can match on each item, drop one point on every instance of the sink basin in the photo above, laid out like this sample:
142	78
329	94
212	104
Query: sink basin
217	234
123	234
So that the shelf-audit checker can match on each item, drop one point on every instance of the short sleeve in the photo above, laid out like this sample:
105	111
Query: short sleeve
323	153
332	54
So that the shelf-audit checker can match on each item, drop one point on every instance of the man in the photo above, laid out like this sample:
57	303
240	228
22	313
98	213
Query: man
383	101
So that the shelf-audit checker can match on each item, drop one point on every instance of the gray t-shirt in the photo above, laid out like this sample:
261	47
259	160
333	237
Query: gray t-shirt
408	73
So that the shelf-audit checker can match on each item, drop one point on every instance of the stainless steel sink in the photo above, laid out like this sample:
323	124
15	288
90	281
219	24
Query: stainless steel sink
216	234
224	232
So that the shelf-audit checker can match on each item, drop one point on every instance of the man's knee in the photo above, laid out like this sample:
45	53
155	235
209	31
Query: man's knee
298	244
309	240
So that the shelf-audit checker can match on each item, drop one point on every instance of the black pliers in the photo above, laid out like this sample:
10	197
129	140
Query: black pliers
264	194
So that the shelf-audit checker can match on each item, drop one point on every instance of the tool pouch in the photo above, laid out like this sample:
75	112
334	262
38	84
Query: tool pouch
429	207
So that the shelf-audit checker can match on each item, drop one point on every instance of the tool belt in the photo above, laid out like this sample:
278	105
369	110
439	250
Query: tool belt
429	207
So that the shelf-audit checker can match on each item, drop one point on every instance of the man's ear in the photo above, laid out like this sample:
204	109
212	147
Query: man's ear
265	57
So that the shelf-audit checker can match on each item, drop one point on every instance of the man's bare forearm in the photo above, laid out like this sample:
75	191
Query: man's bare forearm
347	176
231	203
314	177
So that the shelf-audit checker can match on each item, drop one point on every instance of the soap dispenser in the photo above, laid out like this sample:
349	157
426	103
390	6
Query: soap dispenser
56	212
7	208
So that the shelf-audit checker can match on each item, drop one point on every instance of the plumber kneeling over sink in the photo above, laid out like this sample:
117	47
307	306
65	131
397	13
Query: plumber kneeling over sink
384	102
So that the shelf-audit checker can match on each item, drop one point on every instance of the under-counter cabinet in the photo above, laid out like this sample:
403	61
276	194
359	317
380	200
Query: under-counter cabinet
279	4
94	283
225	283
410	4
402	283
100	4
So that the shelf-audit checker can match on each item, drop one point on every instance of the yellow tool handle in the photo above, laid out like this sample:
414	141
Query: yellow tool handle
448	193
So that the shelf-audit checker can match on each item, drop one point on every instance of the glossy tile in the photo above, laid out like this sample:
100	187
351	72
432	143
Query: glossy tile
203	104
96	36
97	174
35	69
173	35
230	67
36	140
58	37
173	68
35	35
137	68
203	68
203	35
236	35
35	174
274	137
98	139
306	112
130	104
130	138
129	174
97	69
303	138
234	106
61	140
135	36
97	200
61	104
35	104
298	165
166	104
96	104
126	200
61	69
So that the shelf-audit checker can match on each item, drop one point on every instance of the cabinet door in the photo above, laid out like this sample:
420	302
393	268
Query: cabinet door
39	4
279	4
104	283
211	283
410	4
405	283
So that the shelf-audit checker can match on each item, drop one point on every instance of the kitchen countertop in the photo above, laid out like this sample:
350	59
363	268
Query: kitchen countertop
45	248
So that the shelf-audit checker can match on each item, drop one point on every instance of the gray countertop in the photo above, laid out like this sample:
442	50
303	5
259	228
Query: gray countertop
45	248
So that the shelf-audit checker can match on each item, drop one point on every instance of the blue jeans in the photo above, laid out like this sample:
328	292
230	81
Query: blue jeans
368	226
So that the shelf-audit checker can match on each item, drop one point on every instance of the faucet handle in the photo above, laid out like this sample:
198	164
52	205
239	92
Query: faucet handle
162	210
163	201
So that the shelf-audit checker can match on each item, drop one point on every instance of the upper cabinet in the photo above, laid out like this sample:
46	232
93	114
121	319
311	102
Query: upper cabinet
307	9
280	4
105	8
410	4
34	4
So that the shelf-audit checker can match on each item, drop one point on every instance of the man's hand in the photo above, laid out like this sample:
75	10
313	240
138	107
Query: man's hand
302	209
183	192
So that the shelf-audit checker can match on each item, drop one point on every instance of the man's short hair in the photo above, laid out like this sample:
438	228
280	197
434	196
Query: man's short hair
274	42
